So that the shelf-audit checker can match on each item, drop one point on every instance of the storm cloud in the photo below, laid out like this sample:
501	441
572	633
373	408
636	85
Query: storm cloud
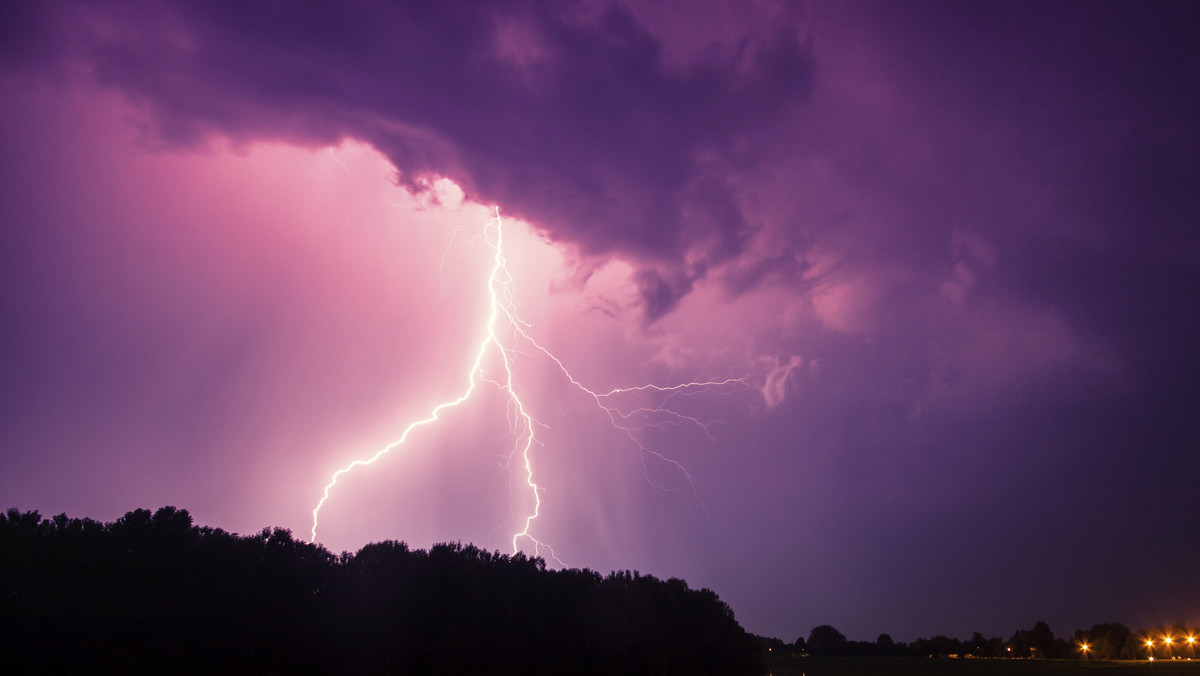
567	115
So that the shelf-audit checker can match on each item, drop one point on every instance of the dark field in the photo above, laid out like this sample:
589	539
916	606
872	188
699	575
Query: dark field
869	666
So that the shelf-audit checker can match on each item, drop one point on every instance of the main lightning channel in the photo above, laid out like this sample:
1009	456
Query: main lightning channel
502	309
473	380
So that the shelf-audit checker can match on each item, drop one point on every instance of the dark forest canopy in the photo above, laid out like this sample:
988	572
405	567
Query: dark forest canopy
154	592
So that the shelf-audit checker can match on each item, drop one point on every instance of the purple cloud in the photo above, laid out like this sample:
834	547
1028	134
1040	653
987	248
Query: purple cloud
571	119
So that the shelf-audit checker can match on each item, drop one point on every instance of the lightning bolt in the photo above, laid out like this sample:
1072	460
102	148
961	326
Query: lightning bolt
503	320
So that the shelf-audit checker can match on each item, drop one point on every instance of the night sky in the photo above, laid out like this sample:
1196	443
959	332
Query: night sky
947	252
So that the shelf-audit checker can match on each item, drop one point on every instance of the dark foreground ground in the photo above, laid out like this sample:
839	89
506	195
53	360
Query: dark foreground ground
870	666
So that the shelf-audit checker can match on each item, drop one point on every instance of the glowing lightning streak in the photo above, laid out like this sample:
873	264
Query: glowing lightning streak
614	413
473	379
502	303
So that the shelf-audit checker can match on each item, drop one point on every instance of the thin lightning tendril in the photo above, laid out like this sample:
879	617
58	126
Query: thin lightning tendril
502	315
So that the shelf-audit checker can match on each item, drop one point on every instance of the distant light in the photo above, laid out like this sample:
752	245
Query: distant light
1167	640
1149	642
1191	639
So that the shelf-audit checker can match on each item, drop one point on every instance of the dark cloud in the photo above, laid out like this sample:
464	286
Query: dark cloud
570	118
735	156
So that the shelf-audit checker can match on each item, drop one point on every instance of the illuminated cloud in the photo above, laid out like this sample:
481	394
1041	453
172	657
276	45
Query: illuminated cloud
572	119
775	387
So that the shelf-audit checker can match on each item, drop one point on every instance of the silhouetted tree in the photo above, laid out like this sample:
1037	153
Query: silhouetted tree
1038	642
153	592
1018	644
825	640
1041	639
1105	641
885	646
976	645
773	645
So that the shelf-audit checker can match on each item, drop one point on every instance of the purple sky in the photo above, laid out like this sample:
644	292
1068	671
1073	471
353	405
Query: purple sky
950	248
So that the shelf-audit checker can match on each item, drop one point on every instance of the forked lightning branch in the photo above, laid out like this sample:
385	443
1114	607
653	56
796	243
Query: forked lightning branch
503	333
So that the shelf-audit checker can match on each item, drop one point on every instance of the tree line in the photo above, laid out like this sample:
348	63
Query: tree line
1108	641
153	592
